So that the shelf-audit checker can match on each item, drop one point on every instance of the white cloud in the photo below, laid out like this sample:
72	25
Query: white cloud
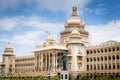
37	25
8	23
104	32
27	38
100	10
100	5
24	42
45	26
53	5
88	10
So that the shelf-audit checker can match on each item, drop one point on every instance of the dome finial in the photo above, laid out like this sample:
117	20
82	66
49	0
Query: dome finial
49	37
74	11
8	43
49	33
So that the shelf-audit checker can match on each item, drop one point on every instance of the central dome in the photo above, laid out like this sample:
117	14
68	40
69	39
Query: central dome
74	20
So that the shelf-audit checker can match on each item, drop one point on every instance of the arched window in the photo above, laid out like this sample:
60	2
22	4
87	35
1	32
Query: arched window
94	51
109	57
87	67
87	52
94	67
102	50
97	58
109	66
105	50
105	58
98	51
113	57
109	49
94	59
91	59
101	58
113	49
117	48
118	66
102	66
87	59
105	66
114	66
117	57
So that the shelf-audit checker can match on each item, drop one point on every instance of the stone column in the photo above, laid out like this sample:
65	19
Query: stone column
115	62
49	61
100	63
96	63
111	62
107	63
46	62
89	64
103	64
35	62
41	61
53	61
56	61
38	62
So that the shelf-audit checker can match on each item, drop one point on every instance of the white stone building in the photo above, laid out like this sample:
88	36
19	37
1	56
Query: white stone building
81	57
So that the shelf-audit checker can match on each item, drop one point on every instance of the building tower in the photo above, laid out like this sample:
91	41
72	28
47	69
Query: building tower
8	64
74	22
76	54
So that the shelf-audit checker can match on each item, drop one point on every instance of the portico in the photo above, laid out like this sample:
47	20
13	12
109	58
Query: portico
49	59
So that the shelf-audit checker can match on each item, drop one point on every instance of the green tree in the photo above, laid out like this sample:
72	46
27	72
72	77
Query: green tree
56	78
38	78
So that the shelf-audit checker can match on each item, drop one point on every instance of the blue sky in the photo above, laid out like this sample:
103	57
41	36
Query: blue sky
24	23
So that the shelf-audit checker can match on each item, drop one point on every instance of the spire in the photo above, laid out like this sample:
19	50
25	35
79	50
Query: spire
8	46
49	37
74	11
8	43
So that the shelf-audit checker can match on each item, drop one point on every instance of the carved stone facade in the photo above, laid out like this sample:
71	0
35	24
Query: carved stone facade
81	57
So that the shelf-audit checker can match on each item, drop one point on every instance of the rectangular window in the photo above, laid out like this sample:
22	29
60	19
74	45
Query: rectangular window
62	76
65	76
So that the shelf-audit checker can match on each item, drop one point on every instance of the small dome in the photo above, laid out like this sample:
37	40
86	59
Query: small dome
8	49
37	47
49	37
75	32
109	42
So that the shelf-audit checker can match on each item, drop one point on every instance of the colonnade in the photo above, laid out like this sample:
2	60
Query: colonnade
48	61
